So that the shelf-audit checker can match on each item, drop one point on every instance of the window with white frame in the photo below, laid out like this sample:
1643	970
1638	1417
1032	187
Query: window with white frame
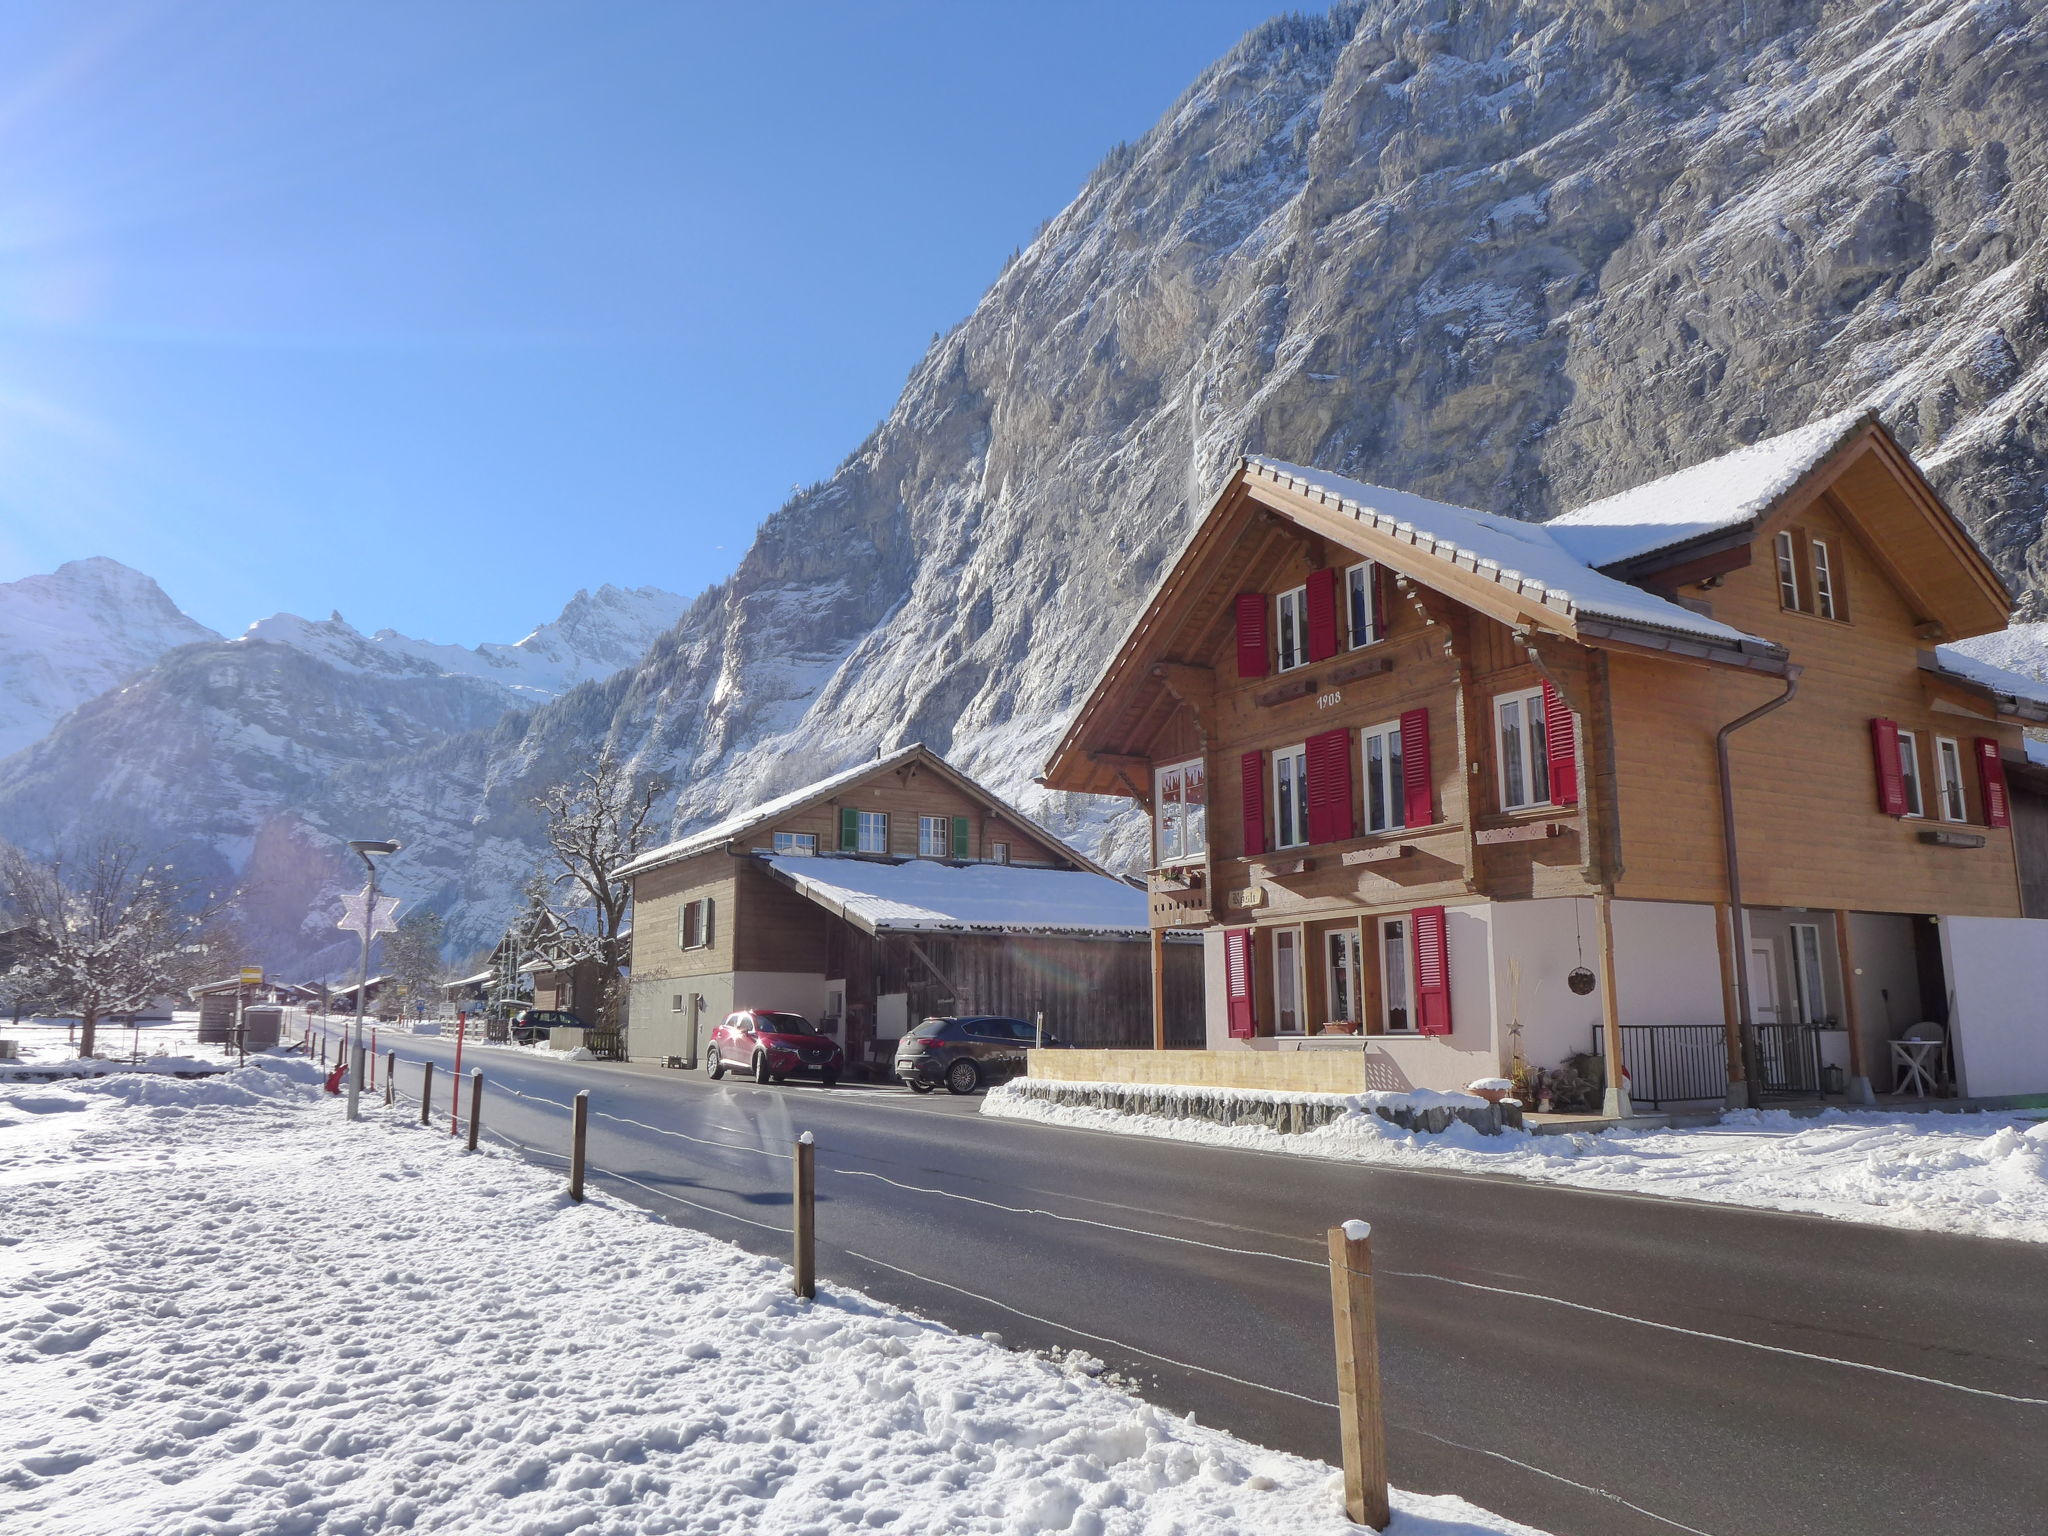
1385	799
1809	988
1289	1005
1948	779
1823	579
1788	572
694	924
1291	627
1524	762
1290	797
1361	625
873	830
934	836
1180	812
999	853
1397	983
796	842
1909	772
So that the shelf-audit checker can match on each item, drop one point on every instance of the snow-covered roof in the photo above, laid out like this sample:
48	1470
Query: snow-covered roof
470	981
1722	493
2007	684
926	896
1526	557
782	805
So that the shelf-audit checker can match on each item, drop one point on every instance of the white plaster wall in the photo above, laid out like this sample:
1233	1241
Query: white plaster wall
892	1015
1667	963
1215	994
1535	946
1998	978
658	1031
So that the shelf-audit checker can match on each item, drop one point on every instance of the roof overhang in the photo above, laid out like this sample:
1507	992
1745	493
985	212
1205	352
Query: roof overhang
883	927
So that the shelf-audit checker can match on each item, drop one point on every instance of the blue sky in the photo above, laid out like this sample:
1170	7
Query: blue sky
432	313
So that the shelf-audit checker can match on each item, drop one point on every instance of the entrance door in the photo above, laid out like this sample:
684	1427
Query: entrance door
1341	970
1763	982
1290	1007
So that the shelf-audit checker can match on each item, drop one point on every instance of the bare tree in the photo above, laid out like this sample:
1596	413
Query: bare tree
597	823
412	956
106	932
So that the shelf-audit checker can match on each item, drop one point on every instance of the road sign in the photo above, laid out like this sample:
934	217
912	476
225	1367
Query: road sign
252	975
352	915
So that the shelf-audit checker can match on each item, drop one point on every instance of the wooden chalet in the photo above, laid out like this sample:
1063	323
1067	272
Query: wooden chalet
1445	791
889	892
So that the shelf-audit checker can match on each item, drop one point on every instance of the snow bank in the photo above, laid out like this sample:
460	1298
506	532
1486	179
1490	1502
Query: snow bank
230	1311
1985	1174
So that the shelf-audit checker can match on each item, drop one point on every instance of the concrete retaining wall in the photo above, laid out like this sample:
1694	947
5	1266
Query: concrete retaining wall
1340	1070
1288	1113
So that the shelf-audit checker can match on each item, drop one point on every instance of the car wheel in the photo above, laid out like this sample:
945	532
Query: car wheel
829	1080
919	1085
963	1077
715	1064
761	1073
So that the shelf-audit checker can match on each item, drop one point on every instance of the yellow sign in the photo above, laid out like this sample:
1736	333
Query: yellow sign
252	975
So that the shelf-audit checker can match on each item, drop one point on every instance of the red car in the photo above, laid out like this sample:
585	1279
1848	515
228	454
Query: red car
772	1046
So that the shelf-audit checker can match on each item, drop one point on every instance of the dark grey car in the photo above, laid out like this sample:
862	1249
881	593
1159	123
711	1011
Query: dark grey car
966	1052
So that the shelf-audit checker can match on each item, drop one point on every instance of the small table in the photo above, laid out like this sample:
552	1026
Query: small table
1918	1062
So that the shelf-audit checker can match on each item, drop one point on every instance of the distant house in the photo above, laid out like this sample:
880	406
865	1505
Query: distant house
1447	792
891	891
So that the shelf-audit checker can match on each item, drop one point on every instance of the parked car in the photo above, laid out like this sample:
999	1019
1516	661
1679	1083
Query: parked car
530	1025
772	1046
967	1052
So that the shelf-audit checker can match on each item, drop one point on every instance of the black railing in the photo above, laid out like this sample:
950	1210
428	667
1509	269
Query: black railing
1788	1059
1672	1063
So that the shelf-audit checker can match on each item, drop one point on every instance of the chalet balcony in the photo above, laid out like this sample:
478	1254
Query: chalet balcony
1180	893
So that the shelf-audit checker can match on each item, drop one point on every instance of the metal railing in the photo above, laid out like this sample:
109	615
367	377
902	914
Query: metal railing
1672	1063
1788	1059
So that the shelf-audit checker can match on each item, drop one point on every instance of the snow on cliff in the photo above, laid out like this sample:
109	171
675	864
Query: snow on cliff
70	635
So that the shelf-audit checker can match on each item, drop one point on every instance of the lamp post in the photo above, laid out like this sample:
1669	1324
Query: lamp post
363	848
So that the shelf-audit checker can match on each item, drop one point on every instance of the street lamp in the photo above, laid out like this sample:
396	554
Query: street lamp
363	848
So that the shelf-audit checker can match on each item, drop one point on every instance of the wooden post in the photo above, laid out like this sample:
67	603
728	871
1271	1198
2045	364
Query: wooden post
426	1089
1158	989
476	1103
579	1127
455	1099
1616	1103
803	1225
1852	1019
390	1075
1358	1375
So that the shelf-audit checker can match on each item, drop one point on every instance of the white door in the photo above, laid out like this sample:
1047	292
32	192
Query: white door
1763	982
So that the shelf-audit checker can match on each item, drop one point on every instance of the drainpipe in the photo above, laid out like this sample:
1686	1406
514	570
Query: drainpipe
1745	1024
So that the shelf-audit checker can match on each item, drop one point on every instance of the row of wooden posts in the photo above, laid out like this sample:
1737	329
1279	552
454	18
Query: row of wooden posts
1359	1412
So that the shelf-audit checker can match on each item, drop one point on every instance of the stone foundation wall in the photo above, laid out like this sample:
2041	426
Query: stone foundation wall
1290	1114
1339	1071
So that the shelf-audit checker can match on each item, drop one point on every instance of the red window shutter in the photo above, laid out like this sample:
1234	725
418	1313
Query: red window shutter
1322	614
1418	783
1253	767
1991	780
1237	982
1560	745
1432	971
1253	653
1380	606
1332	808
1891	776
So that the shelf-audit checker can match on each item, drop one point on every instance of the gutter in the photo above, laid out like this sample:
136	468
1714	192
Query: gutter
1745	1024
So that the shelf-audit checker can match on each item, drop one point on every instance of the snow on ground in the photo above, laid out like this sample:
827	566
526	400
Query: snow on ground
225	1310
1985	1174
46	1045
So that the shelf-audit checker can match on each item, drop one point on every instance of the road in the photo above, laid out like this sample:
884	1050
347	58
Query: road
1590	1363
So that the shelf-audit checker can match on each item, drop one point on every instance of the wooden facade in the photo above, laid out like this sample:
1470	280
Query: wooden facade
1239	671
715	929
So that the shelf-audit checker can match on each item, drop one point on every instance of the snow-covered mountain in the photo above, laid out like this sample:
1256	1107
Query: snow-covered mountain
70	635
596	634
1508	255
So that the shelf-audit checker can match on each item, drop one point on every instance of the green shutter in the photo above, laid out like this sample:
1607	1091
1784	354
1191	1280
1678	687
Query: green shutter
849	829
959	837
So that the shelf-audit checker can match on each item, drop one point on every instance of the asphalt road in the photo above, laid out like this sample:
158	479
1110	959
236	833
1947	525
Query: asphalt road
1592	1364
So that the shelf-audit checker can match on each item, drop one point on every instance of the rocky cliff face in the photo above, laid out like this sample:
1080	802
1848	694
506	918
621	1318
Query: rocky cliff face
1510	255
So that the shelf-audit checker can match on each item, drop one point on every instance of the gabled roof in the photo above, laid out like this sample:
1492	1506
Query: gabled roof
2017	695
1717	496
1524	556
755	818
926	896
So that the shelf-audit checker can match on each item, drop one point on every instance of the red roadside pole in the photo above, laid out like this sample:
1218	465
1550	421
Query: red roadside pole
455	1099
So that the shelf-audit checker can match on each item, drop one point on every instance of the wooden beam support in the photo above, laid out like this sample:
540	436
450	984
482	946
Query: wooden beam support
1617	1100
